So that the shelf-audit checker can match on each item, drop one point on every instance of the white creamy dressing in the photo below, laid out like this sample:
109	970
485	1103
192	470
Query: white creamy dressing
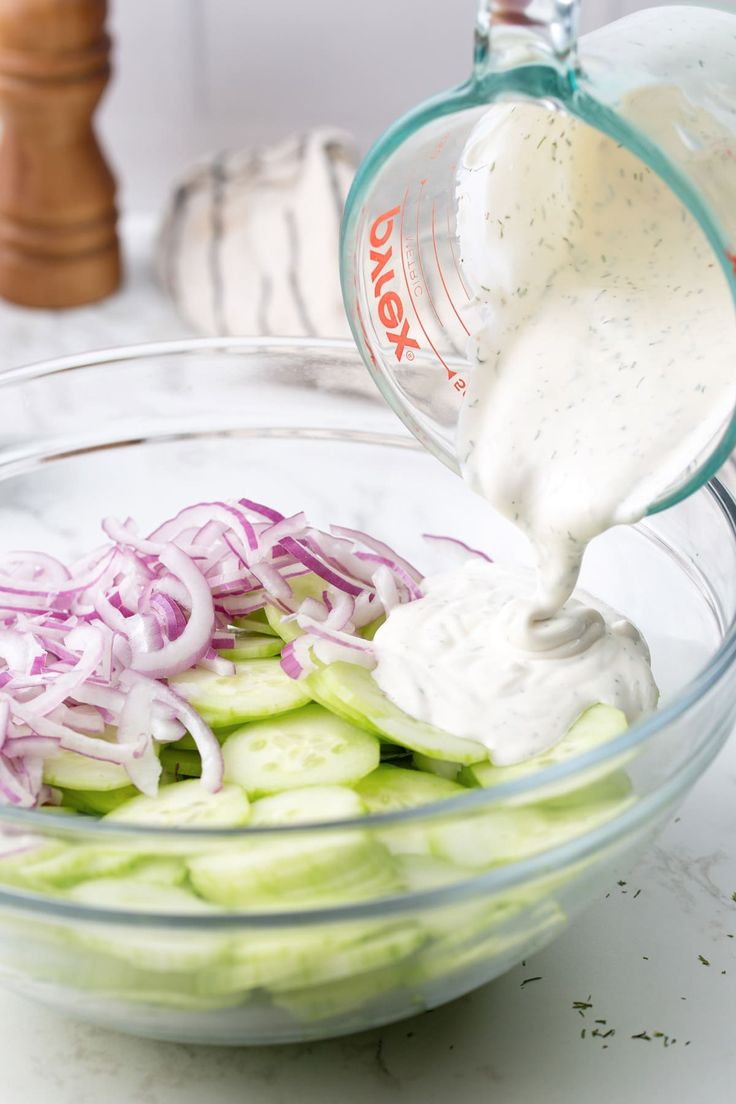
604	346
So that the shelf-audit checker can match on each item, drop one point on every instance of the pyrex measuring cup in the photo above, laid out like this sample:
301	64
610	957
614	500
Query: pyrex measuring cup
661	82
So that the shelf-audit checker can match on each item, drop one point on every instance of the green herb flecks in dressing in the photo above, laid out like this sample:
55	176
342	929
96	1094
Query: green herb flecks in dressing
605	348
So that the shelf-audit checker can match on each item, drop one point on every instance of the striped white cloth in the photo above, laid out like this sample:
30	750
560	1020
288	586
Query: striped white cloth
249	239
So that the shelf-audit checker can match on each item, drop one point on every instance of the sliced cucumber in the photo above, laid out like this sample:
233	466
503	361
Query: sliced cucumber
486	945
390	788
370	630
308	747
255	623
517	832
352	692
595	726
259	688
159	950
161	871
97	802
307	805
441	767
295	871
186	803
332	957
73	862
253	646
290	959
181	762
340	998
69	769
420	872
135	895
18	860
302	586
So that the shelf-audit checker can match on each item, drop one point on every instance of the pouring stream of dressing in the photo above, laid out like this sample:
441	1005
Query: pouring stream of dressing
604	345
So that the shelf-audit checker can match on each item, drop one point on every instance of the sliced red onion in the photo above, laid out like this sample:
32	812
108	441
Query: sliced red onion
216	664
378	546
184	652
45	567
85	648
305	557
84	718
287	527
4	720
125	535
12	788
386	589
413	588
438	538
134	730
200	515
207	743
258	508
296	659
90	640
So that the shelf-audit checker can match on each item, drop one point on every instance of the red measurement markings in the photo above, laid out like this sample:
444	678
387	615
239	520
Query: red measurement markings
732	258
419	256
450	237
449	371
442	278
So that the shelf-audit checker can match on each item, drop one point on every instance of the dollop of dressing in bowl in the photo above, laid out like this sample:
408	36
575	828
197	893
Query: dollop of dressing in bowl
604	343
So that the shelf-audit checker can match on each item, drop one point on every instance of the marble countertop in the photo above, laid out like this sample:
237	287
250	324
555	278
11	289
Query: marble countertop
655	955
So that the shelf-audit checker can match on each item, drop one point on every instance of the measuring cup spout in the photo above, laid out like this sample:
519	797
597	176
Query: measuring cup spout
509	33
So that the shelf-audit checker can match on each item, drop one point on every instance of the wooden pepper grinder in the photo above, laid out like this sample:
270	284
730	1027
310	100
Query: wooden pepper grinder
58	239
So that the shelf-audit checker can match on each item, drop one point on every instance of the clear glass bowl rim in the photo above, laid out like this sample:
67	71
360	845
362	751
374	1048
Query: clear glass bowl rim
473	801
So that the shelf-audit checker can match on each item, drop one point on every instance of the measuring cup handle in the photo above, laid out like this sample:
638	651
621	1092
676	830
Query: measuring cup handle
553	23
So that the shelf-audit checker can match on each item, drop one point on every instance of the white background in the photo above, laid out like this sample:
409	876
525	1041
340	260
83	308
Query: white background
194	76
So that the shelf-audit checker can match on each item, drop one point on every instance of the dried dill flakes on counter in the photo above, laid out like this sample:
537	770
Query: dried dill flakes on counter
528	981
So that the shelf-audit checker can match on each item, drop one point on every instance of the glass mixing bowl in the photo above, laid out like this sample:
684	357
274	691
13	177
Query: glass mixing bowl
474	885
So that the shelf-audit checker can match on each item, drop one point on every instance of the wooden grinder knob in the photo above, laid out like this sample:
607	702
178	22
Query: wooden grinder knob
58	240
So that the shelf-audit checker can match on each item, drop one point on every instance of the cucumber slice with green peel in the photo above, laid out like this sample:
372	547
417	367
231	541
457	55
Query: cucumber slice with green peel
161	950
519	832
306	805
441	767
485	940
293	958
421	872
333	958
389	789
133	895
181	762
71	770
302	586
307	747
253	646
18	860
97	802
594	727
256	622
295	871
369	631
614	786
186	804
393	753
339	998
59	810
161	871
74	862
352	692
259	688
